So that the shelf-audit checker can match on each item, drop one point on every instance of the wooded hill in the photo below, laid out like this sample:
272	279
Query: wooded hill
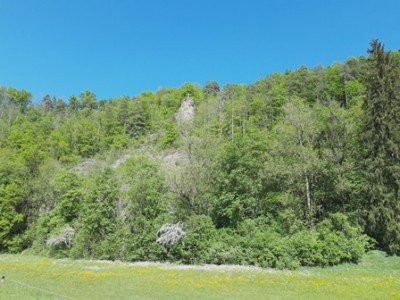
300	168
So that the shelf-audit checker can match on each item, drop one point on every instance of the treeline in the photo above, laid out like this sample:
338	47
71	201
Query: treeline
300	168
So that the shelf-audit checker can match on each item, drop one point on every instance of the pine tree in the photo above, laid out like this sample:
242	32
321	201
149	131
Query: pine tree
382	147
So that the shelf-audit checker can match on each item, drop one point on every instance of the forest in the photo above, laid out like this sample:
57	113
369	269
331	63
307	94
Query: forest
300	168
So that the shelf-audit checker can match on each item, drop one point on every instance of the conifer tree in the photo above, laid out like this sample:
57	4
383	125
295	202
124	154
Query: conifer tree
382	147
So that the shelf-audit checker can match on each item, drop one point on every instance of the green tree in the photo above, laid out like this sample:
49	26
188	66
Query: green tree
68	193
29	142
123	110
296	155
88	100
21	98
60	105
137	119
268	97
189	89
171	134
88	137
192	179
382	147
46	102
300	83
10	217
336	84
340	183
74	103
145	195
239	187
98	216
211	87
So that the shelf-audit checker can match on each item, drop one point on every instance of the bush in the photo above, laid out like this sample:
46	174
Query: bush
226	249
307	247
333	241
340	241
63	239
195	247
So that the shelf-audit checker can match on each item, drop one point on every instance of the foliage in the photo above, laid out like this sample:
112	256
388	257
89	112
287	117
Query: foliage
211	87
290	171
145	193
382	147
98	216
193	248
10	217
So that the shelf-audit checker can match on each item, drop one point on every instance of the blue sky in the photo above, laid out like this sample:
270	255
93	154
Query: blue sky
122	47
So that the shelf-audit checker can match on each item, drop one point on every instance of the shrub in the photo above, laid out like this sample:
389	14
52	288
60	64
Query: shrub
170	234
341	241
194	248
63	239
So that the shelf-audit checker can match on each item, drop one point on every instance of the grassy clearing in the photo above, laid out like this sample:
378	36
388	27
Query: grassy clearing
28	277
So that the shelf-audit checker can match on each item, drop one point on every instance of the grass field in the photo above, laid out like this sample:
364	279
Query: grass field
29	277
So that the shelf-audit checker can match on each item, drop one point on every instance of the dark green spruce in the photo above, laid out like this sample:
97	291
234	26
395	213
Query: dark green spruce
382	147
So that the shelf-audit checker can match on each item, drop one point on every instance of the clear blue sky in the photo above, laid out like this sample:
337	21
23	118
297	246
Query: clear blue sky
124	47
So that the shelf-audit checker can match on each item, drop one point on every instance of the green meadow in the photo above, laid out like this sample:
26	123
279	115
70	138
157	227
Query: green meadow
31	277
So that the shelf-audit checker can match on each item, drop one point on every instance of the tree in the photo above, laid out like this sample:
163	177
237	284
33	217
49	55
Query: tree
88	139
296	155
67	188
340	185
88	100
123	110
189	89
46	102
21	98
382	147
268	97
171	134
211	87
231	97
97	217
137	119
10	217
239	186
74	103
60	105
145	194
191	180
300	83
336	84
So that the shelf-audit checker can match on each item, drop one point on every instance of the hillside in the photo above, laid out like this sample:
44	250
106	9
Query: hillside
297	169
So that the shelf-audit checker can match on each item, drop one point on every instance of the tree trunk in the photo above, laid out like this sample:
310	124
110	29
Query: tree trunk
232	115
309	203
221	108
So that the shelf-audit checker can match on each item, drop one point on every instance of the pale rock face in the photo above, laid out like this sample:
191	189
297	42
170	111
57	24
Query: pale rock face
171	160
185	113
87	166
